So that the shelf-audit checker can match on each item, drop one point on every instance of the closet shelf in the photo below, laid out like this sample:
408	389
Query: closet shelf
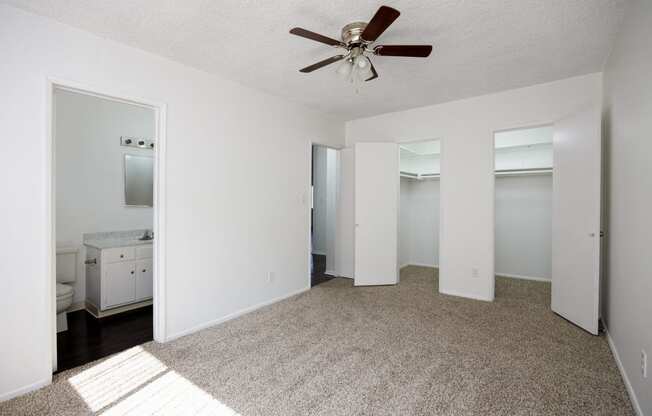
502	172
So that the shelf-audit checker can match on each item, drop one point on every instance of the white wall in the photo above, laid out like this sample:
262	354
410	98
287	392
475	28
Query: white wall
345	246
419	227
419	164
524	226
466	128
226	226
332	184
627	309
536	156
319	202
89	187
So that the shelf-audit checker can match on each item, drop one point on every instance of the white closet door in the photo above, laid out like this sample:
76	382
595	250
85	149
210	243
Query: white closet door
376	213
576	218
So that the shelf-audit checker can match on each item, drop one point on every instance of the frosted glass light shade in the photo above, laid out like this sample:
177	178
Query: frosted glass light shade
344	70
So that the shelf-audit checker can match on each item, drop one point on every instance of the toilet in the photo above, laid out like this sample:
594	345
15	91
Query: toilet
66	277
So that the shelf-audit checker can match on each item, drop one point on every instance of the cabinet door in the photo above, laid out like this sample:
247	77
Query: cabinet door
119	284
144	279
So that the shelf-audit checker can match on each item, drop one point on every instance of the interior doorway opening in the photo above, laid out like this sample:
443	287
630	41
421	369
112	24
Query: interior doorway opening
523	169
106	224
324	180
420	173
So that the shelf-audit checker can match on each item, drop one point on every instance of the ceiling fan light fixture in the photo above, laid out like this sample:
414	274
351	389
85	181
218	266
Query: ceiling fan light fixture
345	68
358	42
362	62
366	72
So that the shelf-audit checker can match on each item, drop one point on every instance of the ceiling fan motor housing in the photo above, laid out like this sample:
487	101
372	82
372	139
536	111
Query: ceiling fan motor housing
351	33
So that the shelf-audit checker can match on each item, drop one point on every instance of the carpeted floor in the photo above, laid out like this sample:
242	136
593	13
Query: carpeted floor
340	350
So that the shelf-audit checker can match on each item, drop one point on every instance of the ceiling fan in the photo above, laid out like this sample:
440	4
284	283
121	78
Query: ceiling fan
357	40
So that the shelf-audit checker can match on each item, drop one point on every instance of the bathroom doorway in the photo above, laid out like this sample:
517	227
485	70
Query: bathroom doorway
105	165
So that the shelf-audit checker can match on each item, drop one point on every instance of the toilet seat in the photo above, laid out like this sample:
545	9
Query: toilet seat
63	290
64	297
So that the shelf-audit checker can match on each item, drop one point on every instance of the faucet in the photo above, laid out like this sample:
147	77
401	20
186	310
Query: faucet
147	236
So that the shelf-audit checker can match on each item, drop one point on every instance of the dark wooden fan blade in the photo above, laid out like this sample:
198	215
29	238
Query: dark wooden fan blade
322	63
315	36
416	51
384	17
373	70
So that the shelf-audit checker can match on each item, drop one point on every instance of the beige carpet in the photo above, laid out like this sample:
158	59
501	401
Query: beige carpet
340	350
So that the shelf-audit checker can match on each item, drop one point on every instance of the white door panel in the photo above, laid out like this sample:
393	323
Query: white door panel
144	279
376	213
576	218
119	284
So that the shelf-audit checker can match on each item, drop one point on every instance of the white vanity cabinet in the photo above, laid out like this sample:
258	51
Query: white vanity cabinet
118	277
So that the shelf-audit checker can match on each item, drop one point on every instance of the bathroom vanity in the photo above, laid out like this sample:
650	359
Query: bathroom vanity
118	273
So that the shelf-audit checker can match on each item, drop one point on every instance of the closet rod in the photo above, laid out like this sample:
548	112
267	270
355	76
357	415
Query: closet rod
523	172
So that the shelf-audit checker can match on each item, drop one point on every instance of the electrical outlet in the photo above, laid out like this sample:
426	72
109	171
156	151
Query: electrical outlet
270	277
474	272
643	363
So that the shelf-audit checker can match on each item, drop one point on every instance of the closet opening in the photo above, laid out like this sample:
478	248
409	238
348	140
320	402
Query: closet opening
523	167
419	207
324	181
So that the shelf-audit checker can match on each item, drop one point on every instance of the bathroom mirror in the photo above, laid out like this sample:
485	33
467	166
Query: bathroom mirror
139	180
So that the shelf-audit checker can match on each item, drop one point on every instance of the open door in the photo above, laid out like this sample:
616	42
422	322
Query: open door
376	214
576	202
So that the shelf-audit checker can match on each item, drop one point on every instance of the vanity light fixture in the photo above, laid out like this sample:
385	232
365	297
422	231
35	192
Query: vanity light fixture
138	142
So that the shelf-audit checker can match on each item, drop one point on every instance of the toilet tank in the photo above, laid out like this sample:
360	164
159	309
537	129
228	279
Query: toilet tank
67	264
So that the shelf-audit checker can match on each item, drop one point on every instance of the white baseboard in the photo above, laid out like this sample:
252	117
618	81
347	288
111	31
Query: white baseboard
26	389
233	315
519	276
465	295
432	266
628	384
331	272
77	306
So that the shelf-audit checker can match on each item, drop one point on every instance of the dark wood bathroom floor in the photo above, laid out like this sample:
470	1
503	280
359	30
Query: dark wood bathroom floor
88	338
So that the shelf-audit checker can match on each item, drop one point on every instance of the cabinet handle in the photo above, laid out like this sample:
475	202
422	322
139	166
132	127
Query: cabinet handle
132	272
144	270
122	256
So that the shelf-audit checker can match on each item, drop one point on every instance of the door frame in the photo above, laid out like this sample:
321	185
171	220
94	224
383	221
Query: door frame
493	177
439	221
308	200
159	209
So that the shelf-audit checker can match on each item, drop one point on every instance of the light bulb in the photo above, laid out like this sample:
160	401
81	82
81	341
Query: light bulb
361	61
344	70
366	73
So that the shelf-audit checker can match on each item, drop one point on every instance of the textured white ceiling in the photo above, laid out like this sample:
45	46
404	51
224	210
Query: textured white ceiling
481	46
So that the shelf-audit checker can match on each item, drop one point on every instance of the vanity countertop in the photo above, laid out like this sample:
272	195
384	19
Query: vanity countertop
104	240
116	242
